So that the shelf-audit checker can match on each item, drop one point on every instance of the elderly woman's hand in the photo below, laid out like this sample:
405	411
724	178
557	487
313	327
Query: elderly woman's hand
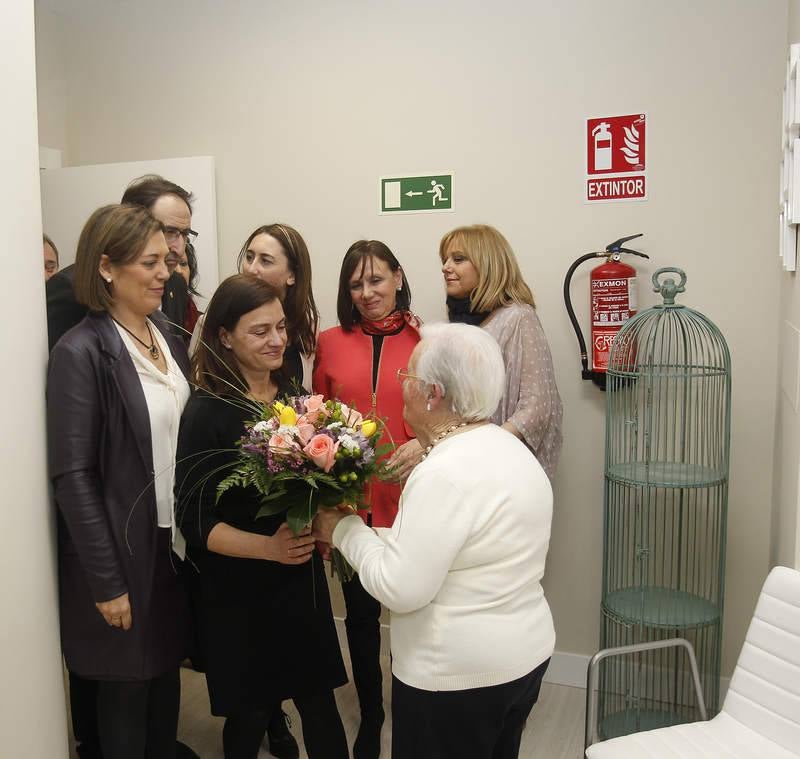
326	520
404	459
117	611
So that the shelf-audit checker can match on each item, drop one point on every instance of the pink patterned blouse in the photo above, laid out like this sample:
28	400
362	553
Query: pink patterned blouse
531	401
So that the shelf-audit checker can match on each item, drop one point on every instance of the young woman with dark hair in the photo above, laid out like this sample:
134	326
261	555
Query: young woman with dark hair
278	255
357	363
261	602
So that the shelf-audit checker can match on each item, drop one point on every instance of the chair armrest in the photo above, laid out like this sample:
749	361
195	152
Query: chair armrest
592	675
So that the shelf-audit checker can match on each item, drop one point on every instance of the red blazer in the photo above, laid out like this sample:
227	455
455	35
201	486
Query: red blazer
343	370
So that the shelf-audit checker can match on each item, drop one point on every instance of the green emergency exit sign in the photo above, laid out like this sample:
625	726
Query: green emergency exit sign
420	194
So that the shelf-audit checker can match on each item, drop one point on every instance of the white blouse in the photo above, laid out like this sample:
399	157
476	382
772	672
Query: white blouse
166	396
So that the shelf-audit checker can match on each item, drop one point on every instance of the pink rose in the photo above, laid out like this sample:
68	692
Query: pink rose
315	403
281	442
305	431
310	417
322	451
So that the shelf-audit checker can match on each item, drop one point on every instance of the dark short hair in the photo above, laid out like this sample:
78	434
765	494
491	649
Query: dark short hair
358	254
302	316
120	232
213	367
146	190
46	239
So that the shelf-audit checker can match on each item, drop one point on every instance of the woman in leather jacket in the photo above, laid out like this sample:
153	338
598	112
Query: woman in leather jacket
116	389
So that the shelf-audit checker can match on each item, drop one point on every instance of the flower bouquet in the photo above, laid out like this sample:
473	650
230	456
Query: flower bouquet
304	453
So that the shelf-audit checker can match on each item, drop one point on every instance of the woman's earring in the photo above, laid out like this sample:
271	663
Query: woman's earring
108	279
428	406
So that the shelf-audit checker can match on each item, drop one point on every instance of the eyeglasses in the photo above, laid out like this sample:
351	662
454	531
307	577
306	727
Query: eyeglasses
404	374
173	233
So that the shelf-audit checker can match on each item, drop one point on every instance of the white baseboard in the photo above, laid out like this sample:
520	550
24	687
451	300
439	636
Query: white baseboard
565	668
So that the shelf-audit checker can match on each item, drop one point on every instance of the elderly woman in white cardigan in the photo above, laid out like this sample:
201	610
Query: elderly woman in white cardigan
461	567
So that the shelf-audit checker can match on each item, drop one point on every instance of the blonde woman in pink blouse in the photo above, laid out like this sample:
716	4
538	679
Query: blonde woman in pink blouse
485	288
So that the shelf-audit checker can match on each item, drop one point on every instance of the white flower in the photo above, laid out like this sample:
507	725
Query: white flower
347	442
261	427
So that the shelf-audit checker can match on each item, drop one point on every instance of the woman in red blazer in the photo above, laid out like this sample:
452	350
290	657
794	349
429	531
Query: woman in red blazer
357	364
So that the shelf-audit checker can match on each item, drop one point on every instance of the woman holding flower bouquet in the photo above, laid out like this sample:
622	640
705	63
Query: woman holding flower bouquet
485	287
264	619
357	363
461	566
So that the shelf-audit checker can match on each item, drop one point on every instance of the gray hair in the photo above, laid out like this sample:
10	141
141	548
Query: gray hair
466	364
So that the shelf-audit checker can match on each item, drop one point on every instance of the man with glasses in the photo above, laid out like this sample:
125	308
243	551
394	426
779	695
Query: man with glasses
172	206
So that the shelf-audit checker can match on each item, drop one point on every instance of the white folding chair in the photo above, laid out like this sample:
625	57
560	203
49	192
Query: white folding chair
760	718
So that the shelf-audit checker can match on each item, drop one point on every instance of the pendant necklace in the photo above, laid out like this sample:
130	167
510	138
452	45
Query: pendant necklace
152	349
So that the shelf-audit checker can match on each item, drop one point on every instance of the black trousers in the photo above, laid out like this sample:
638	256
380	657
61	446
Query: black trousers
83	706
479	723
323	732
139	719
363	627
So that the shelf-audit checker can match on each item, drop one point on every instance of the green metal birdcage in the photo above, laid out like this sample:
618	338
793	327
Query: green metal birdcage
665	513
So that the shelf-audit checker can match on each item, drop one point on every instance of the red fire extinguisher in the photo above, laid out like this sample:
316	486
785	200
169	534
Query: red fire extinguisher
612	301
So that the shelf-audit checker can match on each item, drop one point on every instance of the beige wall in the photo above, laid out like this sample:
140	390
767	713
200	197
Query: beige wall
305	104
785	546
51	82
32	711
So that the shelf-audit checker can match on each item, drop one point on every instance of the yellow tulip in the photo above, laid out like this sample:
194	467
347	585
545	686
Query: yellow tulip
288	416
278	406
368	427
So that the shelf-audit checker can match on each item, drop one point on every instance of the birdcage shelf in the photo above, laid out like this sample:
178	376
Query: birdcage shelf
668	406
666	474
660	607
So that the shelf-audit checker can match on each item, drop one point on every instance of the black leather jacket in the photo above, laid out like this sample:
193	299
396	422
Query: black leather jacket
101	467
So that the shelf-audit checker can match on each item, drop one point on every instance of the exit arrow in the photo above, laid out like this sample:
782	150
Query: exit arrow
411	193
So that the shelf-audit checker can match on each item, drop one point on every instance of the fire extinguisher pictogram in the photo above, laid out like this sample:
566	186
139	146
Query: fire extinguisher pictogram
613	301
602	147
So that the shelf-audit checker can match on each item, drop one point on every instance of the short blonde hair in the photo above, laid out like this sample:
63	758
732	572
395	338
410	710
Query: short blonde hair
500	281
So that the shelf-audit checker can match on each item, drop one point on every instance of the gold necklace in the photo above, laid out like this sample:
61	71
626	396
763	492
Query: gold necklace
449	431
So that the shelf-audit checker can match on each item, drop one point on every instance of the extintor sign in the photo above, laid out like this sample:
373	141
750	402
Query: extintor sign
616	158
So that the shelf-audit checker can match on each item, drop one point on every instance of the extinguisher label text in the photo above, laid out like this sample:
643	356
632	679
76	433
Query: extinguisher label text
616	189
613	301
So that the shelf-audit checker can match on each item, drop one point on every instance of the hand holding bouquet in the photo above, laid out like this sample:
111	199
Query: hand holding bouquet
304	453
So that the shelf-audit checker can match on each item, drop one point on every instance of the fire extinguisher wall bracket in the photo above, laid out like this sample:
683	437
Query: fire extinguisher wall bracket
613	301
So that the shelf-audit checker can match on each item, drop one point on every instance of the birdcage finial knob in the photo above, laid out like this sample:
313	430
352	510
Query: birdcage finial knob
668	288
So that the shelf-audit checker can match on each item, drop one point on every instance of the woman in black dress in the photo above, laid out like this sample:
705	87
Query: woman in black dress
263	613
